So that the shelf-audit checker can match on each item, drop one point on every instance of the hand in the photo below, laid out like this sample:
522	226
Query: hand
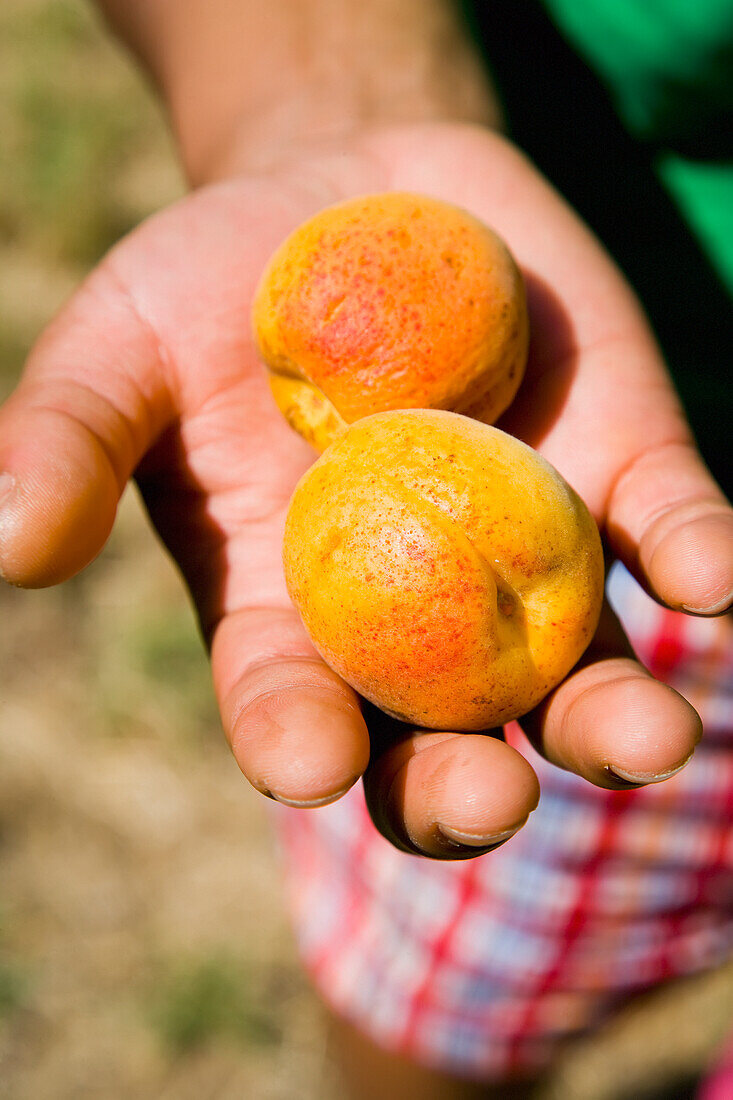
150	370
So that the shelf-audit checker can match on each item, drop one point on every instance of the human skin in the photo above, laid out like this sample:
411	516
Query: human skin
392	301
443	568
115	387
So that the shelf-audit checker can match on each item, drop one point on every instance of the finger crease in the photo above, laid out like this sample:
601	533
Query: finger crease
629	469
286	689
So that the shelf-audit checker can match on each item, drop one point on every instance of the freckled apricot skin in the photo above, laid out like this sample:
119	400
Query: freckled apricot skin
391	301
443	568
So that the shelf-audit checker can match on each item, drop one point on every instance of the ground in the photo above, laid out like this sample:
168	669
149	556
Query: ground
144	945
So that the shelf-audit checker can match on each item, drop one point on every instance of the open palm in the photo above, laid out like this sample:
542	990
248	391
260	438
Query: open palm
151	370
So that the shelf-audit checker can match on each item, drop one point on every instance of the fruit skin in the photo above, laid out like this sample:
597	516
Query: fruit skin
390	301
443	568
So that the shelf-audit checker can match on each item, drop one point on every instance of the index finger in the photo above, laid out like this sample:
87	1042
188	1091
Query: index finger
296	729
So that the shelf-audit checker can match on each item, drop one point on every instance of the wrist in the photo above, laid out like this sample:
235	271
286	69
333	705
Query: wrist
250	85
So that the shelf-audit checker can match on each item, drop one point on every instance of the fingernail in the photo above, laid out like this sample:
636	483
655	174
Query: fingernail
476	840
642	780
7	484
312	803
714	609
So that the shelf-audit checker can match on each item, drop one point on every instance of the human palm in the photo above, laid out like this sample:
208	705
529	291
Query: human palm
151	369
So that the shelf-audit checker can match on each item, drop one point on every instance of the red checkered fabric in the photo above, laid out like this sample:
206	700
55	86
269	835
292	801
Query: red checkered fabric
484	967
719	1083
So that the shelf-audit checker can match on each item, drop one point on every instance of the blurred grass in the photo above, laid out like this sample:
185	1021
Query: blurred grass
59	195
85	154
14	978
127	835
170	654
70	131
199	999
13	985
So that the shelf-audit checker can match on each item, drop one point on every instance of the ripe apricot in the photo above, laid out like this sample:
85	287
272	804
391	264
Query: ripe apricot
443	568
390	301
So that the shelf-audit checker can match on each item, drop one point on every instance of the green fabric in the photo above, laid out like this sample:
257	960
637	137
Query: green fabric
668	65
704	193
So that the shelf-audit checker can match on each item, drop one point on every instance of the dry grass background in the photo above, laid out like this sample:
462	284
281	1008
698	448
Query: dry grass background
144	950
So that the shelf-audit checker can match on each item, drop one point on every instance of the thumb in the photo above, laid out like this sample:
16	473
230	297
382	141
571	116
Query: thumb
92	398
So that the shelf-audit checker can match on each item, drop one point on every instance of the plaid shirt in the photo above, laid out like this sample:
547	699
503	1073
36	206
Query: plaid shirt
484	967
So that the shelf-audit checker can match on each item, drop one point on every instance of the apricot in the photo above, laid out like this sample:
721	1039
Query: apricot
443	568
390	301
